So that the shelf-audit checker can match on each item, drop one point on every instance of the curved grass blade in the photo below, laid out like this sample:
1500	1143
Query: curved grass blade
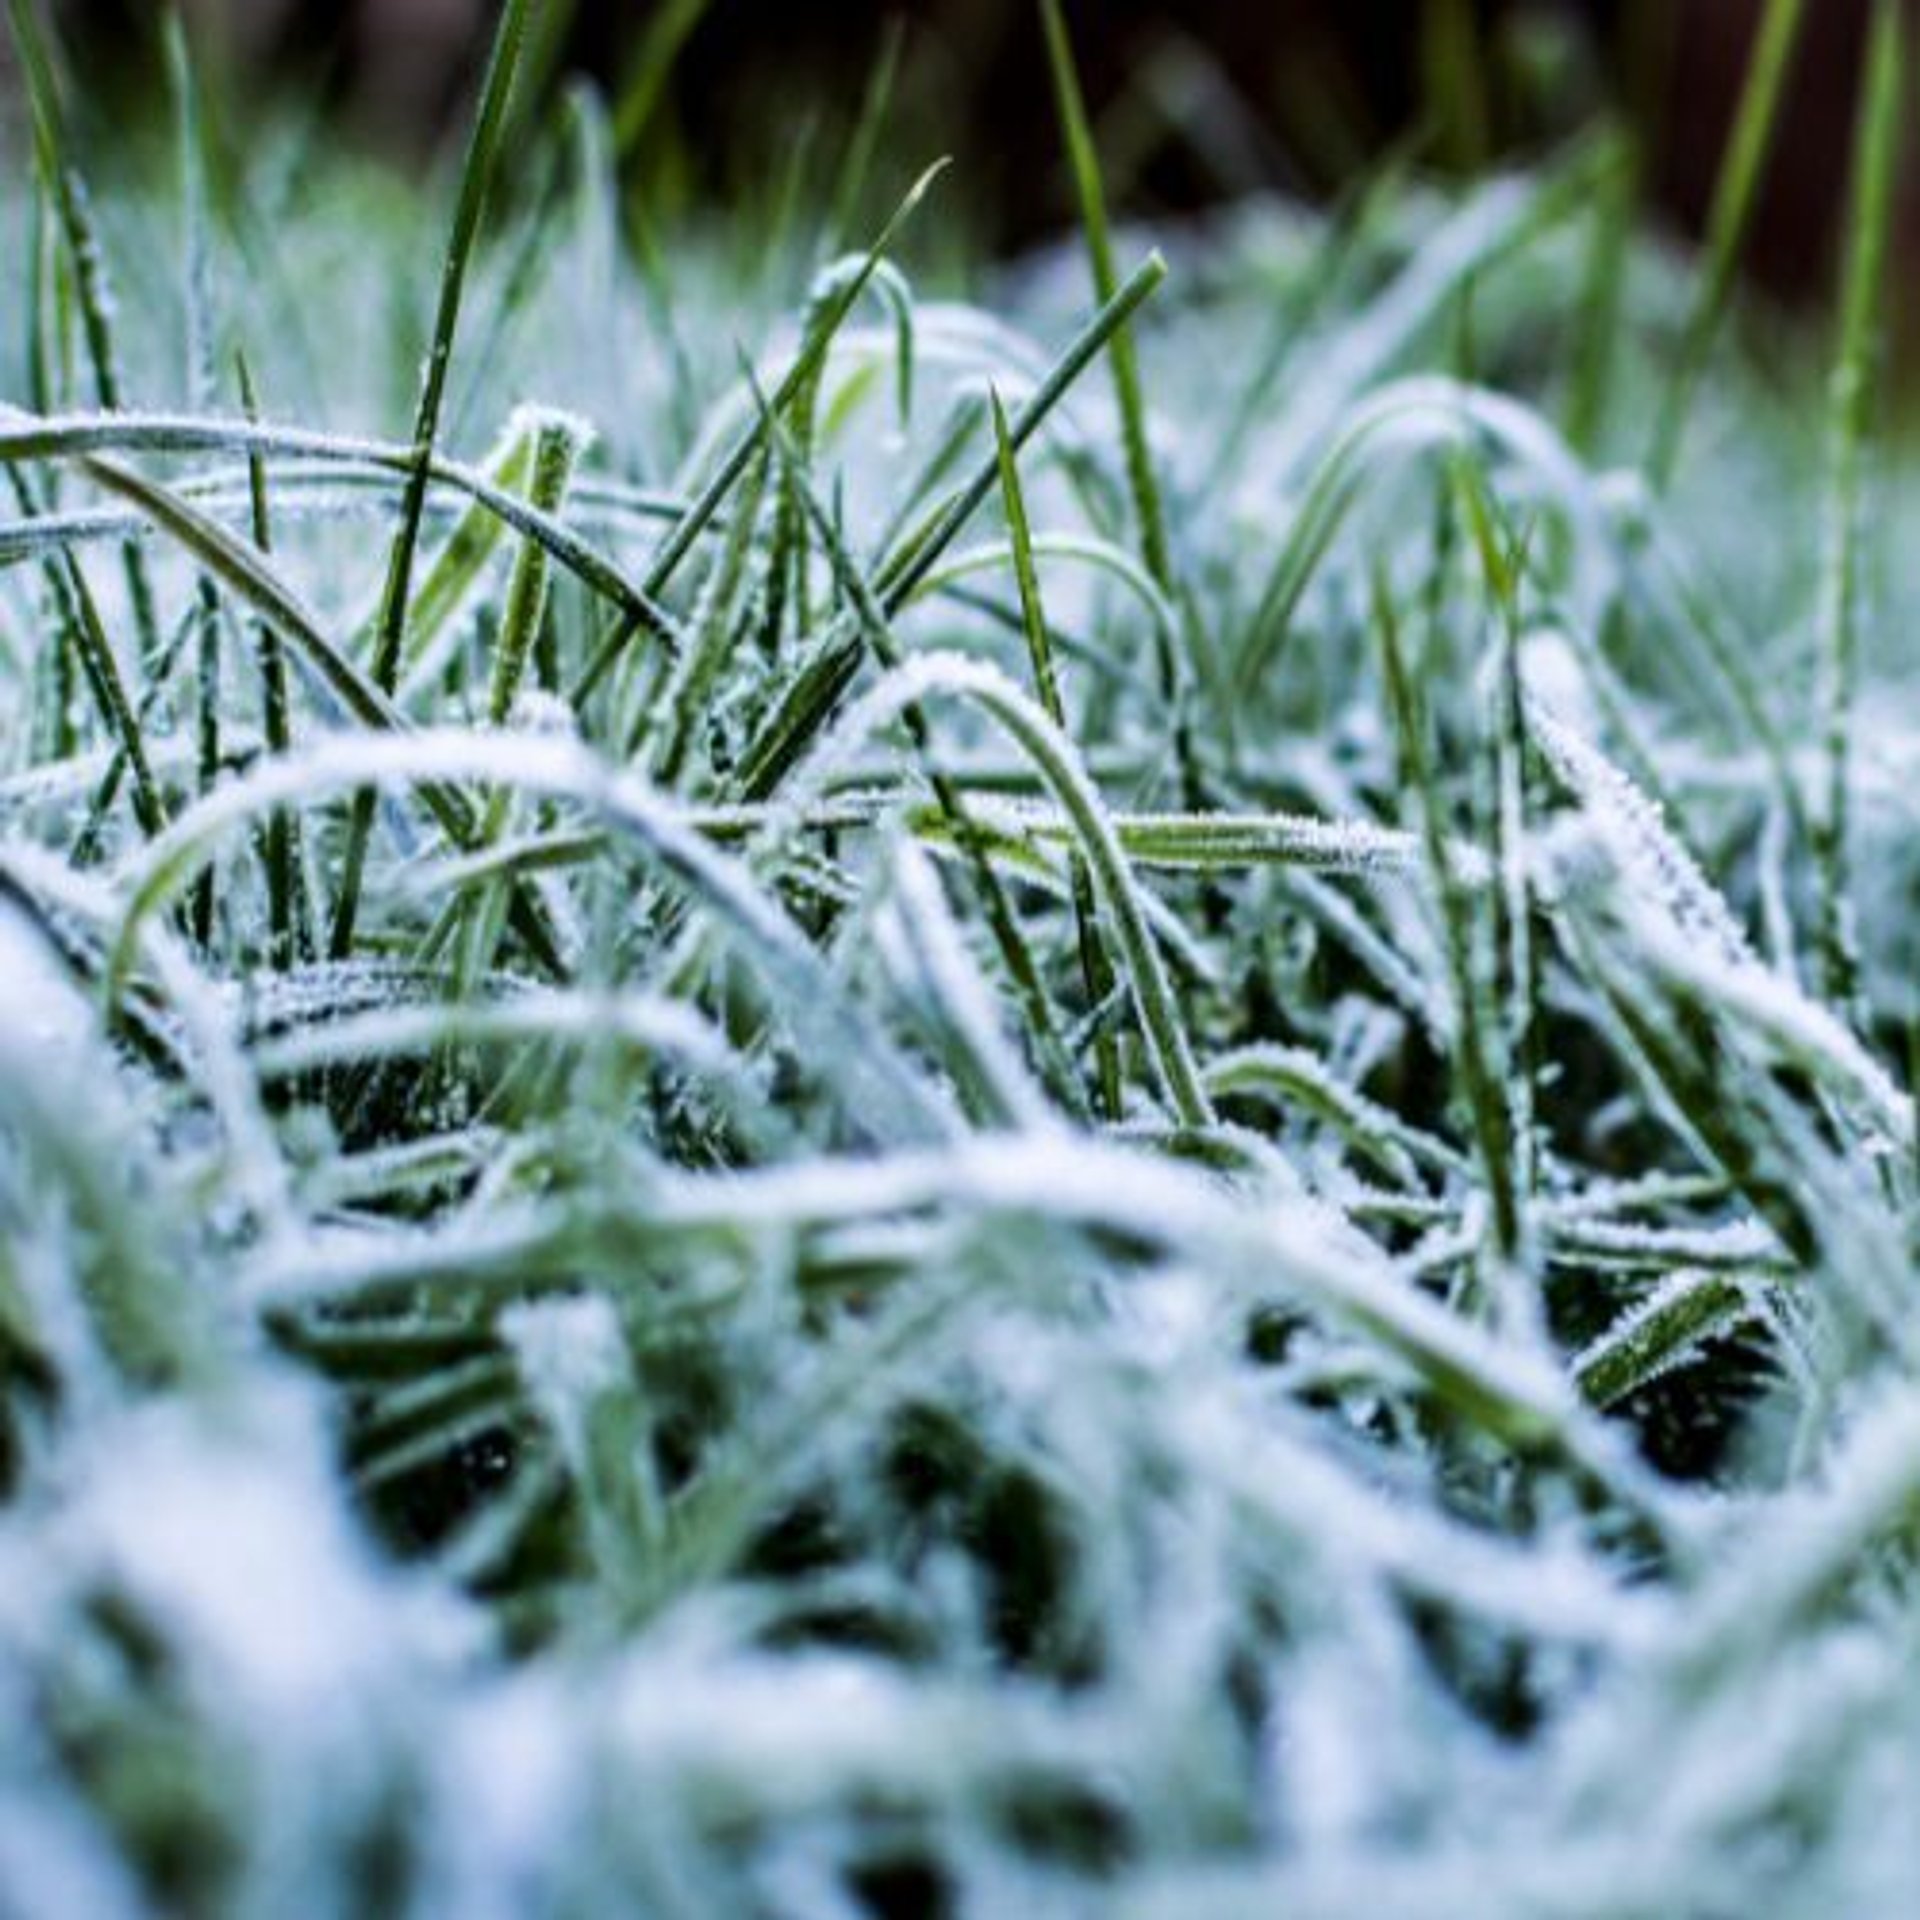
1060	766
884	1095
243	571
25	437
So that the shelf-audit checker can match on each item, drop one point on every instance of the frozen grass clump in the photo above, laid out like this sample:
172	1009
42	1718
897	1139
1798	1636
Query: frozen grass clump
833	1110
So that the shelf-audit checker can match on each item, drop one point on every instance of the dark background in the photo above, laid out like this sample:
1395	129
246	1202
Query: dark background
1195	102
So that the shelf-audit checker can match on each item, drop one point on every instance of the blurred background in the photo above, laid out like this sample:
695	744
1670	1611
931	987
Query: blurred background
1195	102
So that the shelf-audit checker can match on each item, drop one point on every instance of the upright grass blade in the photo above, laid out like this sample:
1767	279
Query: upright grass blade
528	264
86	843
102	671
785	565
58	730
557	445
699	514
1453	65
551	36
290	920
41	241
1876	169
1603	296
687	694
644	84
1142	483
1512	964
1743	168
196	273
1096	970
460	565
875	103
198	289
1486	1110
920	550
244	573
84	257
475	182
874	629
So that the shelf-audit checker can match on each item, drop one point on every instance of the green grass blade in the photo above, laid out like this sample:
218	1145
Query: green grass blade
557	446
644	85
1142	483
1472	1040
85	257
1876	167
290	918
197	280
1601	311
1743	168
700	513
1453	65
1660	1333
476	181
920	550
1096	970
104	678
864	142
874	629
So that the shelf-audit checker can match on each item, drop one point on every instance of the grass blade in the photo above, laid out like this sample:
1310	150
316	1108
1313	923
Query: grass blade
831	314
1096	971
85	258
198	289
1743	167
1876	166
874	630
1149	514
476	181
290	918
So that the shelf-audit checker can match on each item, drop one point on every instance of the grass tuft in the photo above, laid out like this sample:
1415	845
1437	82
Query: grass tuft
880	1098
